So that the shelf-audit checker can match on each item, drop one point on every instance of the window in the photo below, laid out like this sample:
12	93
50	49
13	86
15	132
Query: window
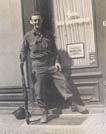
74	24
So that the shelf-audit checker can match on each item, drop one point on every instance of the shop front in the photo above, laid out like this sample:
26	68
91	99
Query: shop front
79	30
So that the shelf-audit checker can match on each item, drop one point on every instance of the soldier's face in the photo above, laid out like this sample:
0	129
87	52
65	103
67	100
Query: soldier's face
37	21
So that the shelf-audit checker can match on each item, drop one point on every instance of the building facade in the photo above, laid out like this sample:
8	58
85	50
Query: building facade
79	30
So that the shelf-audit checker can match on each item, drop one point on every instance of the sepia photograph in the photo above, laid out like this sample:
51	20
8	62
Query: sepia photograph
52	66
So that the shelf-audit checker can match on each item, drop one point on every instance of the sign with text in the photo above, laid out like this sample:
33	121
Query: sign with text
75	50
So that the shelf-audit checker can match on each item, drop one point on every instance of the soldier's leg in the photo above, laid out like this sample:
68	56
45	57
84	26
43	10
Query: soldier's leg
78	103
61	83
39	88
64	88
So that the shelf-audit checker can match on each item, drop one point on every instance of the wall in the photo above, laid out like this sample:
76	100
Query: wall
11	36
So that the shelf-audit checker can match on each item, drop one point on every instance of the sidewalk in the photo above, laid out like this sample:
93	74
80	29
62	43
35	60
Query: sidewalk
74	123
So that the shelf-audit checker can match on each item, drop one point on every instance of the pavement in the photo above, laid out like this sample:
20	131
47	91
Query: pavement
74	123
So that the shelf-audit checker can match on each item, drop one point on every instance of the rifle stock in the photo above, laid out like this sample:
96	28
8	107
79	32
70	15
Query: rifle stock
25	94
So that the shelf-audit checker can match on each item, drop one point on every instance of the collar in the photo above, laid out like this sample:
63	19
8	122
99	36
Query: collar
36	32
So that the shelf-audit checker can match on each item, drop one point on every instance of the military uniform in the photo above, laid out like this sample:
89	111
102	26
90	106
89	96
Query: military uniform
43	54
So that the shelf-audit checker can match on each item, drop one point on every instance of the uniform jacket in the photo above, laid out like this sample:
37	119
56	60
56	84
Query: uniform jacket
39	46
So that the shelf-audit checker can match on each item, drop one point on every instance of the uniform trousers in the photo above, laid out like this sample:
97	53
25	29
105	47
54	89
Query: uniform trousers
41	74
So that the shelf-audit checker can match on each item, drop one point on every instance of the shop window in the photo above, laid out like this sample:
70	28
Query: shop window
74	31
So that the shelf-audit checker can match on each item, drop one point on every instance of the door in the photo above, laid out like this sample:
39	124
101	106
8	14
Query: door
28	8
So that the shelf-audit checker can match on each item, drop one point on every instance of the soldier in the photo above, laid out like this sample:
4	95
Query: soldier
45	62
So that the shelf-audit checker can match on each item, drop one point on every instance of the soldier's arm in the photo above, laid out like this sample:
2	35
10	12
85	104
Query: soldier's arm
53	47
57	57
24	50
56	54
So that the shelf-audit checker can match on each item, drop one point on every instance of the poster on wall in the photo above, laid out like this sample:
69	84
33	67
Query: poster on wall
75	50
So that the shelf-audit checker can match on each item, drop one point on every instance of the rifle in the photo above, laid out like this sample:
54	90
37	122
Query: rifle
25	94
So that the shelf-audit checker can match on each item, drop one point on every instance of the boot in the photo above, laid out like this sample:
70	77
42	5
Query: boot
81	109
79	105
44	117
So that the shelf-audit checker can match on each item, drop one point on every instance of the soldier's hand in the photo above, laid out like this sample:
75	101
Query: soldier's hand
58	67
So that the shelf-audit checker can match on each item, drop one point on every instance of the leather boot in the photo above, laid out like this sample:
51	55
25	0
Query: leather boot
44	117
81	109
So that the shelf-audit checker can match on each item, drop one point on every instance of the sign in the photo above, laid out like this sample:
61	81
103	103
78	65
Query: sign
75	50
